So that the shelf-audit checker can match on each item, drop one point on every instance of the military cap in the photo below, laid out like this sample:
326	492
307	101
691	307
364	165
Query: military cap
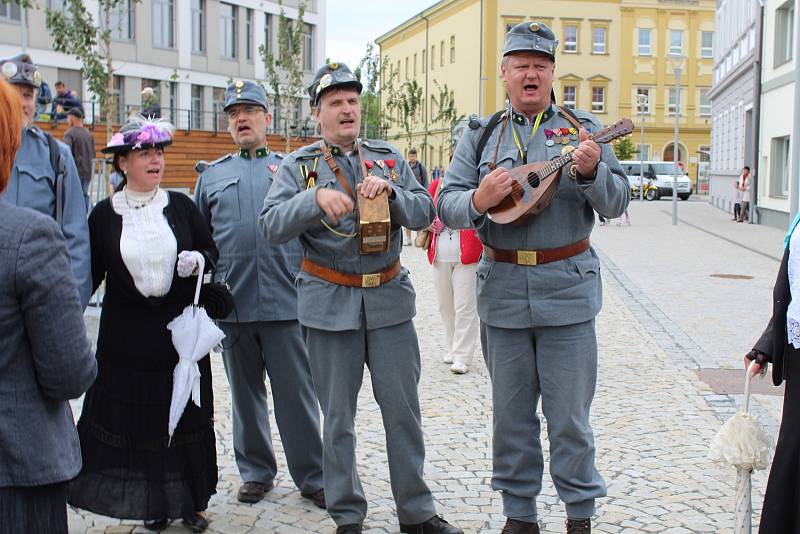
20	70
330	76
531	37
245	92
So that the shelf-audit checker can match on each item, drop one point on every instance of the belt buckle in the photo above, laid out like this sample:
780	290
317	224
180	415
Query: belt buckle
371	280
526	257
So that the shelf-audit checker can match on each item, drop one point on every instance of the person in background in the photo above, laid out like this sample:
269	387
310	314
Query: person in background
81	143
421	174
44	165
151	107
145	245
746	186
64	101
45	357
454	255
737	200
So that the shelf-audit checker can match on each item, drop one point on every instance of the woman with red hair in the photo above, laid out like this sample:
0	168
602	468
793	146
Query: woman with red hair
45	357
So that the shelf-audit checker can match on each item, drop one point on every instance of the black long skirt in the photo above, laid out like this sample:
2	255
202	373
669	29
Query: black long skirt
34	510
781	512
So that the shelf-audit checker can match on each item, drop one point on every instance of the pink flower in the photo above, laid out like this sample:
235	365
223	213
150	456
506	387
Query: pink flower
116	140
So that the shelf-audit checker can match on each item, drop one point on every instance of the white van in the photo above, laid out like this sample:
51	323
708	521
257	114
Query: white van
662	174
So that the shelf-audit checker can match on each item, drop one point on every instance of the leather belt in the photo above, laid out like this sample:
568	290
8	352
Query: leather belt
536	257
350	279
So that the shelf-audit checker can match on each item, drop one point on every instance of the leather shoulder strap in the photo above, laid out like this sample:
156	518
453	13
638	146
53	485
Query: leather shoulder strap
326	153
570	116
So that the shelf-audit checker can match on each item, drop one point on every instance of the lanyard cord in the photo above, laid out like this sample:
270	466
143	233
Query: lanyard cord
524	153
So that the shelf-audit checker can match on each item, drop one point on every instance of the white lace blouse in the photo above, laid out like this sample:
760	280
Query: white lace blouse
147	245
793	312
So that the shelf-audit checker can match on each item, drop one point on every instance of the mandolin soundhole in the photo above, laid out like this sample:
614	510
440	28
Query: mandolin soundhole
534	180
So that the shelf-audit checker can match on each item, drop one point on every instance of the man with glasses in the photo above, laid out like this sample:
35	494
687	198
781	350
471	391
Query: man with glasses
262	333
45	178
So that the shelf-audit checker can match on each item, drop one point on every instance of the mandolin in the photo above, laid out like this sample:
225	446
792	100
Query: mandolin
534	185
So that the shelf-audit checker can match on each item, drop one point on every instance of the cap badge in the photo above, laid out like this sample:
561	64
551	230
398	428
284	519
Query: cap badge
534	27
9	69
37	78
324	82
334	66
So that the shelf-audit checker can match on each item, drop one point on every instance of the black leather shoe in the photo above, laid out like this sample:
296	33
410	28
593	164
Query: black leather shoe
195	522
355	528
434	525
579	526
156	525
514	526
252	491
318	498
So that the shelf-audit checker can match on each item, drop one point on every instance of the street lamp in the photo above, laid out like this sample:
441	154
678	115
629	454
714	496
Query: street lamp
641	100
676	62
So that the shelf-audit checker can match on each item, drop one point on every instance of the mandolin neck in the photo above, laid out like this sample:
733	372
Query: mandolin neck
555	164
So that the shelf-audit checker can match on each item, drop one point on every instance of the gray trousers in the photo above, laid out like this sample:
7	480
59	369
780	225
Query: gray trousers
558	364
337	365
277	348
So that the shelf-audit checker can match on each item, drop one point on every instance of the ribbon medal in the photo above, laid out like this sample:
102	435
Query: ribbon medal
392	174
369	164
273	168
573	134
549	134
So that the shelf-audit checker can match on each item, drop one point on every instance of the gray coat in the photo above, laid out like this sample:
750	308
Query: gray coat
291	210
553	294
230	194
45	356
31	186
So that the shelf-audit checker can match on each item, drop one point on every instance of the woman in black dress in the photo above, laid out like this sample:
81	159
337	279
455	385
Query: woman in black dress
141	240
780	345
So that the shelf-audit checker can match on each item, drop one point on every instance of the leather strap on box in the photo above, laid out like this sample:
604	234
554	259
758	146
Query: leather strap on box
536	257
350	279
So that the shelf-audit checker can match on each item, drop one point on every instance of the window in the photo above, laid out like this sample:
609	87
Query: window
227	30
173	102
707	44
433	57
643	101
424	60
248	36
780	167
673	102
599	40
705	103
197	107
432	108
407	71
121	23
645	42
164	23
268	33
117	97
308	48
218	105
452	49
57	5
642	154
441	54
198	26
570	39
676	42
415	65
598	99
784	33
570	96
10	11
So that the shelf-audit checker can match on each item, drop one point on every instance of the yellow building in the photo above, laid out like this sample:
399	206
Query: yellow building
609	51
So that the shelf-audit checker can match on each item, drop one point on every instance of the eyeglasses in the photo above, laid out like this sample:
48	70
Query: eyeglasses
246	110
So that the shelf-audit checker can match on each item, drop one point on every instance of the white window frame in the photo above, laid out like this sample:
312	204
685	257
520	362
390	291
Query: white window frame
779	166
570	104
784	33
198	26
248	38
648	107
268	32
197	106
7	12
599	106
675	50
570	46
163	23
645	49
706	50
672	101
227	30
308	48
600	47
704	108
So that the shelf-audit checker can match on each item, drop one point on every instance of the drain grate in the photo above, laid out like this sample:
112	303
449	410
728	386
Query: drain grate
732	276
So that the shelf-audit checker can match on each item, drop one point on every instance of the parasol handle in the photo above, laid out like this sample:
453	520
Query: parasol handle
201	263
748	377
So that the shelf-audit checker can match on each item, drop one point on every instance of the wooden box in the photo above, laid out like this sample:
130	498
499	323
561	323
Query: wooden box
374	222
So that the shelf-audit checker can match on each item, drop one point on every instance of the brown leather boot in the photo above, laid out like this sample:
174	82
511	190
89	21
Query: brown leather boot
579	526
520	527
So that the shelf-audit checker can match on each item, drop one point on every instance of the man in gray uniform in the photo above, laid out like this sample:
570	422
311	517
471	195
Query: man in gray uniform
357	308
538	282
44	170
263	332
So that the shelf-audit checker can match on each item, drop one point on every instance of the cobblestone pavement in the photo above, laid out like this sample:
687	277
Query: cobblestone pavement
653	418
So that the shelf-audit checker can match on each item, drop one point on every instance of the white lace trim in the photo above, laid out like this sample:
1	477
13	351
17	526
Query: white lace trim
147	245
793	312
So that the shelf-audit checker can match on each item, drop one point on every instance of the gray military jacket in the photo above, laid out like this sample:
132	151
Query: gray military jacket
230	193
552	294
32	185
291	210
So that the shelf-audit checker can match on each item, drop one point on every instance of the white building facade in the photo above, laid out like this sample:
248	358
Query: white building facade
188	51
732	97
777	111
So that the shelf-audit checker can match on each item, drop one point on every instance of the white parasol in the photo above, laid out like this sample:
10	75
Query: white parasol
742	443
193	335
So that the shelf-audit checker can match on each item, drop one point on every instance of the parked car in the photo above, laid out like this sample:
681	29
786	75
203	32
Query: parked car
660	174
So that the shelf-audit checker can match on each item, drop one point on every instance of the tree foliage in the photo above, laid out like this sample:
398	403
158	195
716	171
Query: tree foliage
624	149
446	115
76	33
284	71
405	106
368	73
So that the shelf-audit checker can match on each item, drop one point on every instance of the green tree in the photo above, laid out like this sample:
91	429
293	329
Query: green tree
405	107
624	148
75	33
285	71
446	115
368	73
